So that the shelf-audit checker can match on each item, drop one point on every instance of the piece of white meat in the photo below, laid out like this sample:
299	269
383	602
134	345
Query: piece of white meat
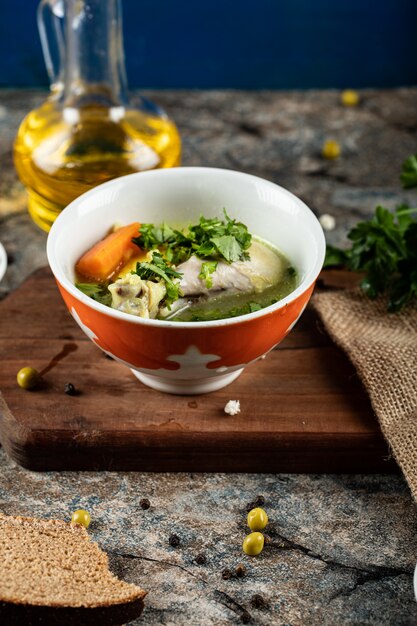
263	270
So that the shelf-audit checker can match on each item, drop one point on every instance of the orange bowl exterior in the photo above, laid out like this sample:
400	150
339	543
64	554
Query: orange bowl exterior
153	347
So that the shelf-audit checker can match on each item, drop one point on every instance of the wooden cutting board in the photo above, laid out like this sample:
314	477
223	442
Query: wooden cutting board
303	408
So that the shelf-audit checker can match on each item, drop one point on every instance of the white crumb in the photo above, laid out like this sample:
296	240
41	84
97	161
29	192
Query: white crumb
232	407
327	221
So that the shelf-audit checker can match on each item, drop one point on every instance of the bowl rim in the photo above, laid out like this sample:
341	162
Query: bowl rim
415	582
305	284
3	261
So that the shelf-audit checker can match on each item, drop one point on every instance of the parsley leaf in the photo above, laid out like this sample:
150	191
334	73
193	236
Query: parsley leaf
158	270
97	292
228	247
409	172
207	269
153	236
335	257
226	239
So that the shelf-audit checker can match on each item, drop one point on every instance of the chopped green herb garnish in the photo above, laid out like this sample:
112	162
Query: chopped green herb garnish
211	238
158	270
153	236
255	306
98	292
207	269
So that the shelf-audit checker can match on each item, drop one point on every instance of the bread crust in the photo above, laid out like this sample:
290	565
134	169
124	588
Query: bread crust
22	609
31	615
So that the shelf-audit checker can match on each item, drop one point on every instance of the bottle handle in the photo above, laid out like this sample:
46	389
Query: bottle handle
50	17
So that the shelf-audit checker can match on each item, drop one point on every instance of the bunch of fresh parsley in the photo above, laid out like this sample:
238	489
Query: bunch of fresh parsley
385	249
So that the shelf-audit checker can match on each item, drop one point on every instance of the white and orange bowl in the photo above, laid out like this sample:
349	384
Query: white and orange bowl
187	357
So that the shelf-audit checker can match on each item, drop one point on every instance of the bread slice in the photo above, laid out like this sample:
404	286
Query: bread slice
51	573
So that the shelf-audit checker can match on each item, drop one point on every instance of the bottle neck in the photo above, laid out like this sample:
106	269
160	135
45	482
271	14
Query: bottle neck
95	70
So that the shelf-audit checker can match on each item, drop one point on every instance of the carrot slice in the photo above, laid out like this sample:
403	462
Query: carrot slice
109	254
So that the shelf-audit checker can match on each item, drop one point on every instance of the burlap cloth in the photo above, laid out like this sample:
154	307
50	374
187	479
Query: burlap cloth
383	348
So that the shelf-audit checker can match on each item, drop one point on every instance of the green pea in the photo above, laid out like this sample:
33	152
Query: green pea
257	519
253	544
28	377
82	517
331	149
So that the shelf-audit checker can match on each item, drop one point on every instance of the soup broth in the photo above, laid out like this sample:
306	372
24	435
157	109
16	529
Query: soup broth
221	305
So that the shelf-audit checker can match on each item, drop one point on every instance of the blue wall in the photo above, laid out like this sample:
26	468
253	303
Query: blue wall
240	43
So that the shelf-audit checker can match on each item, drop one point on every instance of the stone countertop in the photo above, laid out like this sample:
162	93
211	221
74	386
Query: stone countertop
342	548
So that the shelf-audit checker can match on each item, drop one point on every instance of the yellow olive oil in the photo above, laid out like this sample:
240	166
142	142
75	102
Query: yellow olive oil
61	152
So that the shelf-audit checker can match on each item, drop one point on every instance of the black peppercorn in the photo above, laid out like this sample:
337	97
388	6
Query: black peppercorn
259	501
240	571
258	601
201	559
174	540
69	389
245	618
226	573
145	504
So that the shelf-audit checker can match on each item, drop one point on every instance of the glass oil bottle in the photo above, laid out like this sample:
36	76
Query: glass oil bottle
88	131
